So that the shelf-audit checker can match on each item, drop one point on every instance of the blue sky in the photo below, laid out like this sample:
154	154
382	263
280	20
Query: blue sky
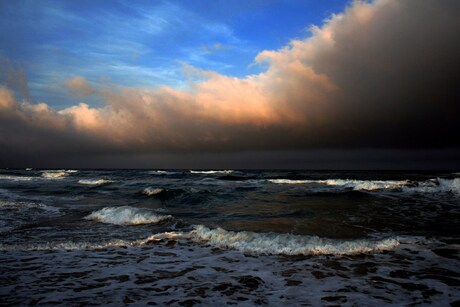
145	43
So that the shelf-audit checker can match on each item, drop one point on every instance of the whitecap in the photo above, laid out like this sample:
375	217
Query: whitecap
438	185
358	185
287	244
152	191
16	178
59	174
126	215
94	181
212	172
160	172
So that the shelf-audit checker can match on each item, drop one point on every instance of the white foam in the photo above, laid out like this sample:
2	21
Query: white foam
291	181
54	174
212	172
358	185
438	185
127	215
160	172
287	244
57	174
152	191
16	178
84	245
94	181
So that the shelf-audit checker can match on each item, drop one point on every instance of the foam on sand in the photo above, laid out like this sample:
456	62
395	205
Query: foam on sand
127	215
287	244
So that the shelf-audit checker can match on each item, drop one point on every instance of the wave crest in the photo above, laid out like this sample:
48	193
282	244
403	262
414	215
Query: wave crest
212	172
94	181
152	191
287	244
126	215
358	185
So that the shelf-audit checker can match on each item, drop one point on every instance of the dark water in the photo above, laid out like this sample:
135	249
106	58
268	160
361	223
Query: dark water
184	237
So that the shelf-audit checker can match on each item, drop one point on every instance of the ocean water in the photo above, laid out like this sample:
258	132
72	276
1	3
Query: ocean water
232	237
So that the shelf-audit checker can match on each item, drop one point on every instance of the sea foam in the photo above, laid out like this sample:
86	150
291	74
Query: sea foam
287	244
358	185
152	191
55	174
212	172
94	181
438	185
126	215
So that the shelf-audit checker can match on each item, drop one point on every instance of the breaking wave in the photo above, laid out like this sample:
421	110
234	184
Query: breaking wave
94	181
16	178
438	185
84	245
57	174
127	215
358	185
212	172
287	244
152	191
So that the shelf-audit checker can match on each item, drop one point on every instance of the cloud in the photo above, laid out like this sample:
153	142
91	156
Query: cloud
380	75
79	87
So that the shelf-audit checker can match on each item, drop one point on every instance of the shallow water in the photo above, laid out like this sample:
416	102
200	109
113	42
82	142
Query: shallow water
229	237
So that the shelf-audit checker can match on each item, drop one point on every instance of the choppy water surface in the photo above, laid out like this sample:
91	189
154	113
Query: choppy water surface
228	237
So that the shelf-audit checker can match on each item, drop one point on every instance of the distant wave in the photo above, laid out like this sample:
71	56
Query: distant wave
212	172
127	215
16	178
358	185
160	172
287	244
57	174
438	185
152	191
94	181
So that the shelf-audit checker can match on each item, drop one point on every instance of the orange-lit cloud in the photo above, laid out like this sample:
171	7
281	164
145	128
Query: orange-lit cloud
380	74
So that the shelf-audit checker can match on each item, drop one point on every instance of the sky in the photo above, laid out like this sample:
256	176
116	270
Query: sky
230	84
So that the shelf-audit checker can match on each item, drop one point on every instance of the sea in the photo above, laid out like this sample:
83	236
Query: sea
73	237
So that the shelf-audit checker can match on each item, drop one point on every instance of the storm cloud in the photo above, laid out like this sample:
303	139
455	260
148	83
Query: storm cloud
381	75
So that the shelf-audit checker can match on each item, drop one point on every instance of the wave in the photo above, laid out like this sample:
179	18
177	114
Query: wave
54	174
28	205
438	185
212	172
358	185
160	172
94	181
287	244
127	215
57	174
152	191
84	245
15	214
16	178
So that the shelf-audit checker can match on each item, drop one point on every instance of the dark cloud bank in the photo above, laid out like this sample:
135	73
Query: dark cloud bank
375	87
